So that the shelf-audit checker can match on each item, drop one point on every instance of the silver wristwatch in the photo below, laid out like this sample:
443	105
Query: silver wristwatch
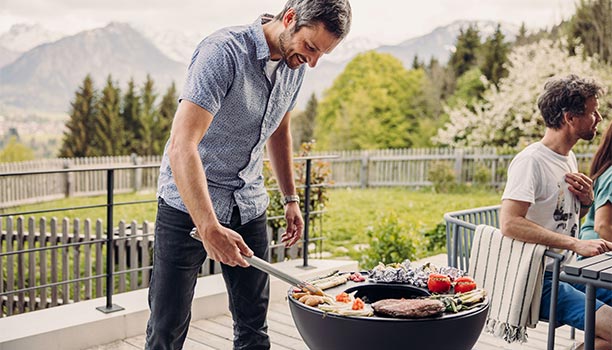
291	198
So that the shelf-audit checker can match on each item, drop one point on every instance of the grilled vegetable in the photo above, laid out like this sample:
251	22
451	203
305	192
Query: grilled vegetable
438	283
461	301
464	284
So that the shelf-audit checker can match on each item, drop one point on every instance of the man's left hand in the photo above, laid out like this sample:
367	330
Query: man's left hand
581	186
295	224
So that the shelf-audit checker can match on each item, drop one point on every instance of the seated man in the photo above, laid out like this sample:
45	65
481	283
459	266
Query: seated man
545	196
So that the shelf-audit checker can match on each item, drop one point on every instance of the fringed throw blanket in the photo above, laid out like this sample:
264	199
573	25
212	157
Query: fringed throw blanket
511	272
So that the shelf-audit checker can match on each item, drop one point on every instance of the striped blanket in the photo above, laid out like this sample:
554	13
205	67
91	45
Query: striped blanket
511	272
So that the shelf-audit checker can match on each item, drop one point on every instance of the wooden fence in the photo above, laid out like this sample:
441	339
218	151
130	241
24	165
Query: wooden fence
411	167
365	168
33	188
46	263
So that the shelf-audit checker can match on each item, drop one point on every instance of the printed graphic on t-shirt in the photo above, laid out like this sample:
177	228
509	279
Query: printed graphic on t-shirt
562	216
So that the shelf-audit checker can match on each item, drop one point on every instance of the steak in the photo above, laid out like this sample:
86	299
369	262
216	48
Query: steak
409	308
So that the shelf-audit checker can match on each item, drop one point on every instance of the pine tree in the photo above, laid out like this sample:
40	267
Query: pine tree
76	139
416	64
494	57
303	124
148	118
108	127
130	113
167	108
521	36
591	26
466	51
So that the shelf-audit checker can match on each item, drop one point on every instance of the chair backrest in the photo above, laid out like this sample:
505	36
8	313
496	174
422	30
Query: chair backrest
460	227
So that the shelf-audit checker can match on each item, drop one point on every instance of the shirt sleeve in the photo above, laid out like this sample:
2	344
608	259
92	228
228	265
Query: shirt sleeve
522	180
603	192
209	76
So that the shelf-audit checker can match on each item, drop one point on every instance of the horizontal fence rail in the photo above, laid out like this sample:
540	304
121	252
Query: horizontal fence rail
50	262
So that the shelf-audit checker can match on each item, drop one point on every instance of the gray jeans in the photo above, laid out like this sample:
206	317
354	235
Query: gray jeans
176	260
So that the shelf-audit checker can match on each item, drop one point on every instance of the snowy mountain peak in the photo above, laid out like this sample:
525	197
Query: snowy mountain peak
349	48
22	37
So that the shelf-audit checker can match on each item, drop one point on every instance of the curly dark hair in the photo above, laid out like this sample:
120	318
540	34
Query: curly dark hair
334	14
566	94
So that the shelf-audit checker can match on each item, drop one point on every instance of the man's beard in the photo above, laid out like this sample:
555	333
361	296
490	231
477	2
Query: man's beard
283	39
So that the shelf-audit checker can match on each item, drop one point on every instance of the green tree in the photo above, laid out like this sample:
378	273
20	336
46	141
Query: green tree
130	113
148	118
469	89
466	51
79	127
591	26
521	36
107	136
303	124
161	130
15	151
495	56
374	103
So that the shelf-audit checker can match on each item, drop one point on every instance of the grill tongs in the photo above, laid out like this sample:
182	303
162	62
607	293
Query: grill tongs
266	267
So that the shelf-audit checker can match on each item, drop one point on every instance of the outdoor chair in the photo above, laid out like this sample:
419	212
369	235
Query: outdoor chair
460	228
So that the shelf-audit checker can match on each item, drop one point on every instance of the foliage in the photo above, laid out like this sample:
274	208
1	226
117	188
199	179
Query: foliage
167	108
508	115
494	56
107	123
482	174
435	239
374	103
442	176
79	126
390	241
302	124
15	151
130	115
107	133
591	27
469	88
320	173
466	51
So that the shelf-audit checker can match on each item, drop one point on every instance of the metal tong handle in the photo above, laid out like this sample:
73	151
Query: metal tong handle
266	267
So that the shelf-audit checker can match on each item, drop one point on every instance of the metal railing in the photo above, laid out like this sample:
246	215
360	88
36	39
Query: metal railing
460	228
36	242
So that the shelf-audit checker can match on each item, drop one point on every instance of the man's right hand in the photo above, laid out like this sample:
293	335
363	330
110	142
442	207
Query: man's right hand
592	247
225	245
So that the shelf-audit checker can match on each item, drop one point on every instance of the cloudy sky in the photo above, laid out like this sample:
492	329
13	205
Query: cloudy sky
386	21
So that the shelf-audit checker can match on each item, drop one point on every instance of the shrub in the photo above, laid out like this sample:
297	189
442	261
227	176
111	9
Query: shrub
390	242
435	239
442	177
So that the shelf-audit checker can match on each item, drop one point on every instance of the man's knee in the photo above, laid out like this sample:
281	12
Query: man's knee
603	323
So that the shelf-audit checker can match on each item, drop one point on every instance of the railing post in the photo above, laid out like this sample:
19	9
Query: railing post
306	214
68	180
109	307
458	164
136	173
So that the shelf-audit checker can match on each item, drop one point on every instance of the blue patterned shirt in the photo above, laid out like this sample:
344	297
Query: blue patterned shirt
227	78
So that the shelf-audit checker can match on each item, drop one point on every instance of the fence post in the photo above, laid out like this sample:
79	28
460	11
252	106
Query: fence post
68	180
458	164
306	214
136	173
109	307
363	176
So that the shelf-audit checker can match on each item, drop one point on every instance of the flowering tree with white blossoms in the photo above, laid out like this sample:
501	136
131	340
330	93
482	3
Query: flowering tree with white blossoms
508	115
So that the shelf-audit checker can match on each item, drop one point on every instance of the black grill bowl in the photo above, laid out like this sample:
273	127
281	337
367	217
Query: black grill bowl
322	331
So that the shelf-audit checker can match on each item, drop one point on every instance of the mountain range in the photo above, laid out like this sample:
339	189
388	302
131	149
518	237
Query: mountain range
41	70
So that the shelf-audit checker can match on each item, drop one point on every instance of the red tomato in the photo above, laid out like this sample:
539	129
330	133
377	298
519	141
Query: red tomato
358	304
343	298
464	284
438	283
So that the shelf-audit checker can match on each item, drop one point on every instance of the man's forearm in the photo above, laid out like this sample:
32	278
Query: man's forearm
525	230
191	183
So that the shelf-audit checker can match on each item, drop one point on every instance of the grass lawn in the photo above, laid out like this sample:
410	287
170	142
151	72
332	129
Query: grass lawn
351	211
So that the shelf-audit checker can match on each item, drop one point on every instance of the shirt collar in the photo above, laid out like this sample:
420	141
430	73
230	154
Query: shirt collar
263	51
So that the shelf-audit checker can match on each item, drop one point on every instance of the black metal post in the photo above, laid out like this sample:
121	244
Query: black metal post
306	214
109	307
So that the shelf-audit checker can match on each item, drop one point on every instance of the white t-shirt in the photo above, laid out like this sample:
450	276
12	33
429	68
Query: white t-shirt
271	70
537	175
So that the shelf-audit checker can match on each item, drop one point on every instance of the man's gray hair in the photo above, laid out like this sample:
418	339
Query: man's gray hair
566	94
335	15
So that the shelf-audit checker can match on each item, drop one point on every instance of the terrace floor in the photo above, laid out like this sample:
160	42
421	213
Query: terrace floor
216	333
